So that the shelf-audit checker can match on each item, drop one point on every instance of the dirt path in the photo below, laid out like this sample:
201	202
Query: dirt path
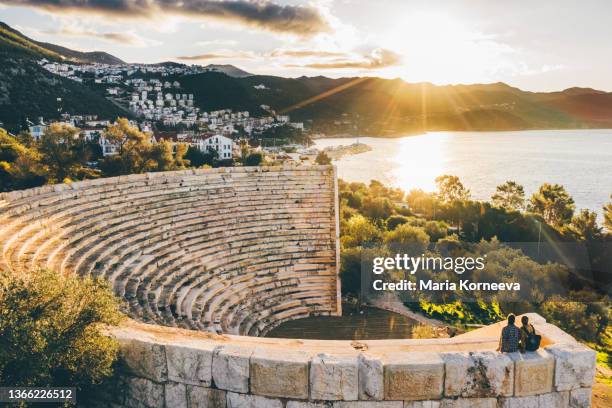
602	396
388	301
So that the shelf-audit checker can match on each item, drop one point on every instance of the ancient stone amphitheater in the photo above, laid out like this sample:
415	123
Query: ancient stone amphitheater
232	250
207	260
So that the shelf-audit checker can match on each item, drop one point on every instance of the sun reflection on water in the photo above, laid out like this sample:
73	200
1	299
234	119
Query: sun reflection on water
419	160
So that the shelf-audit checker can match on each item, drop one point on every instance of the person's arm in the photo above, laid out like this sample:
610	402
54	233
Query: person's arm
523	340
500	340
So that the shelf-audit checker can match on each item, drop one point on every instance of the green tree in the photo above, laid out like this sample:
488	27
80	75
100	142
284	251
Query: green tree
25	138
180	153
436	230
583	320
350	270
134	150
64	152
608	215
406	234
451	189
359	231
254	159
51	329
423	203
162	156
584	226
510	196
377	208
553	203
353	199
197	158
395	220
322	158
20	166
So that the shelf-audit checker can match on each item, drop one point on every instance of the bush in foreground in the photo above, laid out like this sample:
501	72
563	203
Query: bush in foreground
51	330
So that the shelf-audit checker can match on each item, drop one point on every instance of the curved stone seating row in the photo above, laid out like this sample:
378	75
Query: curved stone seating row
169	367
228	250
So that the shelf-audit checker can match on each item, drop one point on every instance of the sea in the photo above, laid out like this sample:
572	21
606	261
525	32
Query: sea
580	160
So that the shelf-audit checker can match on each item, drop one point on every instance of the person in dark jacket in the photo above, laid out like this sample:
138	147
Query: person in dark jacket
530	340
510	336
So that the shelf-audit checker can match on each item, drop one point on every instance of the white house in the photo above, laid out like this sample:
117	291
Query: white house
108	148
38	130
223	145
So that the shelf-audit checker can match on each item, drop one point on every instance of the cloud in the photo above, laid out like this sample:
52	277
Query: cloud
305	53
378	58
221	54
125	38
262	14
216	42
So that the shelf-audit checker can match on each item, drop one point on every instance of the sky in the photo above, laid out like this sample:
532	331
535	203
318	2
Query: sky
533	45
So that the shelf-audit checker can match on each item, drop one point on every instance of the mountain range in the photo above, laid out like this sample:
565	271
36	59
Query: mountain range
366	105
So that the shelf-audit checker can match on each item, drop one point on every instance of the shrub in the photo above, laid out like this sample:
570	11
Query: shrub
353	200
423	332
322	158
359	231
406	234
51	330
436	230
254	159
396	220
376	208
583	320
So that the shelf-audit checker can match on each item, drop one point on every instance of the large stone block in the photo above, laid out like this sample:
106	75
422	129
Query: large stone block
421	404
533	373
175	395
143	357
190	363
413	376
549	400
371	384
201	397
277	374
368	404
519	402
574	366
554	400
334	378
144	393
469	403
485	374
580	398
307	404
230	368
251	401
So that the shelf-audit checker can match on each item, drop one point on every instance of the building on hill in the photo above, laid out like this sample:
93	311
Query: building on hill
223	145
37	131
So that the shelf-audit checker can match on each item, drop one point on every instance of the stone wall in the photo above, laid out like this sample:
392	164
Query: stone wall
164	367
230	250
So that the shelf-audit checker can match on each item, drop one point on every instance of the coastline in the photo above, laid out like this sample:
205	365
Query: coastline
410	134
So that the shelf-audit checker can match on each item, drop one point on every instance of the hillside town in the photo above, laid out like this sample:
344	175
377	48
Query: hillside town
162	109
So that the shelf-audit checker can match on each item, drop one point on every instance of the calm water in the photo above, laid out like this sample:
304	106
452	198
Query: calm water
373	324
580	160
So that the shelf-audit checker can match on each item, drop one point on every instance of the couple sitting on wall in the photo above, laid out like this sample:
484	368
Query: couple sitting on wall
521	339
